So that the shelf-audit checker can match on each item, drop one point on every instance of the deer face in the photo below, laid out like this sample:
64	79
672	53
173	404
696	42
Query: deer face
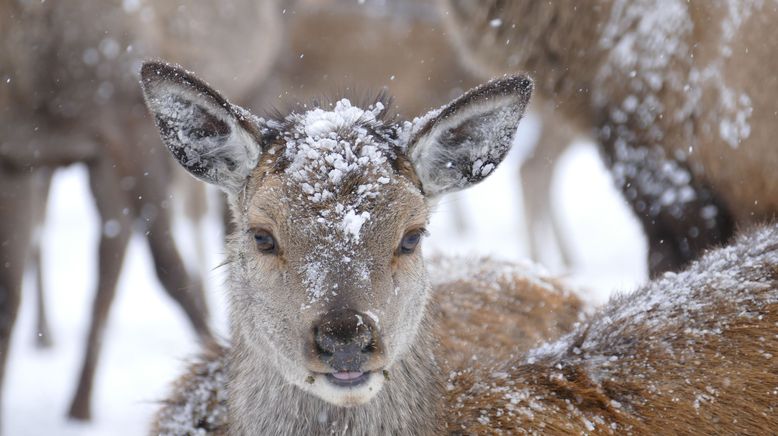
327	279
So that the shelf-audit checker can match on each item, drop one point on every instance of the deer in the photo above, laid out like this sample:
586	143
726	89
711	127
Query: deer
69	96
674	95
338	327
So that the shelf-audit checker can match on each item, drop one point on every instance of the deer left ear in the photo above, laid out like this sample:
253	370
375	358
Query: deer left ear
460	144
212	139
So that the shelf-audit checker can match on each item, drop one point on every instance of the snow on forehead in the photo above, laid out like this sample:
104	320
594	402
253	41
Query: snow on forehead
325	146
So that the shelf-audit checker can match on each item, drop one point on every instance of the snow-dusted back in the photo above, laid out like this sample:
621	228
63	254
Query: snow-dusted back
683	301
669	344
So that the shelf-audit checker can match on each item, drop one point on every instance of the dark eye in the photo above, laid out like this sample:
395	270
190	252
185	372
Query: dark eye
410	241
265	242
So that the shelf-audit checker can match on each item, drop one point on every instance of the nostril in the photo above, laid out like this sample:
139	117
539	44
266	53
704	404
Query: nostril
345	340
324	346
371	346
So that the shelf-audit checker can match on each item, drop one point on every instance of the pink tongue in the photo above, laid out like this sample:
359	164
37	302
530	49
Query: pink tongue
347	375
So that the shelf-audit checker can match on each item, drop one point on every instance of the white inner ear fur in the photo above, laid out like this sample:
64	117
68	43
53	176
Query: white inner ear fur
178	105
435	164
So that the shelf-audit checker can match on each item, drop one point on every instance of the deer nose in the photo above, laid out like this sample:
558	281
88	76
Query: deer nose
345	339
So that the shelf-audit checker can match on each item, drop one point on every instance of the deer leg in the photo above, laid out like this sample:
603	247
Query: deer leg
561	243
536	177
43	338
174	277
115	233
15	237
196	208
170	268
458	216
229	225
535	189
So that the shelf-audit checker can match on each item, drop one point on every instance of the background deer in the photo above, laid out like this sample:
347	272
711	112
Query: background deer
71	97
679	97
334	45
336	326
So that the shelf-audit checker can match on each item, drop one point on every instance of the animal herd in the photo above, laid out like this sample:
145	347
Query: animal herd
338	324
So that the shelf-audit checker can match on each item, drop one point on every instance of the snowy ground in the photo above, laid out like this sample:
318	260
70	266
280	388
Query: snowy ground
147	337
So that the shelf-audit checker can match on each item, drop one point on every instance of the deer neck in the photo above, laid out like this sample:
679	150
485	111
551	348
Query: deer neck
262	402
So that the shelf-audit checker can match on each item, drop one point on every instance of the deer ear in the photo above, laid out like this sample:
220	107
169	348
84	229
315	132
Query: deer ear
463	142
212	139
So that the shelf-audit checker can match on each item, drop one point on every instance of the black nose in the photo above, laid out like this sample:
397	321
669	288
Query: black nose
345	339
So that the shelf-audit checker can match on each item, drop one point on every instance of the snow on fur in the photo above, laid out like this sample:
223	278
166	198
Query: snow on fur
198	405
488	271
648	45
688	351
338	161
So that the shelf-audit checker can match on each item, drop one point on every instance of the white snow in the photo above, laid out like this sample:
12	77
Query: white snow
352	224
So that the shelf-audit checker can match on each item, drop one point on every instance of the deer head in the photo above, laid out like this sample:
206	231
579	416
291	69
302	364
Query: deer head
327	281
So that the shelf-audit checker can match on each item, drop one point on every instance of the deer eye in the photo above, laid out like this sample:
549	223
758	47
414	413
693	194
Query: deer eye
410	241
265	242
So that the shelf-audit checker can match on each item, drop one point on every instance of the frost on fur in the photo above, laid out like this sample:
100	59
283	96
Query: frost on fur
214	140
460	144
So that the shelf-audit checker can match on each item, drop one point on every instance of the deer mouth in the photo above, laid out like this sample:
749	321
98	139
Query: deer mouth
348	378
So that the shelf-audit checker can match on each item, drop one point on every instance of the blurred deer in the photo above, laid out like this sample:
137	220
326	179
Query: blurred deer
69	95
337	44
536	175
680	98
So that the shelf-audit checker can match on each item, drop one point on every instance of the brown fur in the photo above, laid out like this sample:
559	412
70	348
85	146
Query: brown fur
486	311
335	46
562	47
701	364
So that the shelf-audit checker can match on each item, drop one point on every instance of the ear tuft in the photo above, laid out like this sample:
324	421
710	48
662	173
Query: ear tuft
462	143
208	136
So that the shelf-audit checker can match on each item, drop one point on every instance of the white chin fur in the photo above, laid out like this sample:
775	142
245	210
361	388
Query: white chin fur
343	396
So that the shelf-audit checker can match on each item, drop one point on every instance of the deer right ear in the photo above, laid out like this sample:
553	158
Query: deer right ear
207	135
461	143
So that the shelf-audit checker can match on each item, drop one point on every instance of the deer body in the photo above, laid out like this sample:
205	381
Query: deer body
336	325
678	94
